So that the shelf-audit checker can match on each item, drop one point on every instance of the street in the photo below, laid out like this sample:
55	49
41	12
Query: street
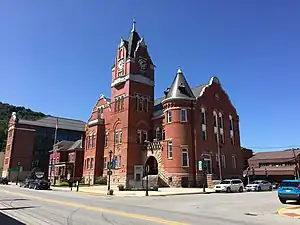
59	207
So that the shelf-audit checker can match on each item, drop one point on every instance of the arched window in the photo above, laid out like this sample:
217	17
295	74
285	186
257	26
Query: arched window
141	104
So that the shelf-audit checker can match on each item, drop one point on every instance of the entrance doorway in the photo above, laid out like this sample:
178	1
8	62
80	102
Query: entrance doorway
153	167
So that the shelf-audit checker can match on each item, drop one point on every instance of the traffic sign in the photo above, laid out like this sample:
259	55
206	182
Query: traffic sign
200	165
13	169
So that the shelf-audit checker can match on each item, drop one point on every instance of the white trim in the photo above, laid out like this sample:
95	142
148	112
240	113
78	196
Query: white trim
175	107
25	129
93	122
169	116
168	155
133	77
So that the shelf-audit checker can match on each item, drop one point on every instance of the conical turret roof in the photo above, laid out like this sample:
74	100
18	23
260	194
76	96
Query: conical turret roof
180	88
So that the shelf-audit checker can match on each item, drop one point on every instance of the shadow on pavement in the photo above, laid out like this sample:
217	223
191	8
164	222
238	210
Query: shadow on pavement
16	208
12	199
6	220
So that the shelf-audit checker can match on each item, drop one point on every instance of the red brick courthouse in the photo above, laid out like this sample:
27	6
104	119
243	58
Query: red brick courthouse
170	134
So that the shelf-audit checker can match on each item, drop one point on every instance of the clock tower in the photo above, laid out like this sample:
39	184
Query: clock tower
132	102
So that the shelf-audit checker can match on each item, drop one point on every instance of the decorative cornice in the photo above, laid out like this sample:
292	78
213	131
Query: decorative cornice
133	77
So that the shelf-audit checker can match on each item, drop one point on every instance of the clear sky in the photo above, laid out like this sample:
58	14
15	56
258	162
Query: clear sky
56	56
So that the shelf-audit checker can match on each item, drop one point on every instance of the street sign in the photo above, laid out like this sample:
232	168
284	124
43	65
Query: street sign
200	165
109	172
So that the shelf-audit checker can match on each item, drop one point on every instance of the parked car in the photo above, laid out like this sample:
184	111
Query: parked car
259	185
4	180
289	190
39	185
230	185
26	183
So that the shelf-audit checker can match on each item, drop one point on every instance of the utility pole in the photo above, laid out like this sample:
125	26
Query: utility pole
18	173
296	165
109	169
74	167
147	179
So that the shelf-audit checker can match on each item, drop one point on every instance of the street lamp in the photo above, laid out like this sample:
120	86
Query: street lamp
19	164
147	169
74	167
109	169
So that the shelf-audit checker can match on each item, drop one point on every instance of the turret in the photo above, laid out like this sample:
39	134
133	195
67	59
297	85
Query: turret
178	108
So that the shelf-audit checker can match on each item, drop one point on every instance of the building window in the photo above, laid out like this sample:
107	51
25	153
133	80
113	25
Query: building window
100	112
122	103
163	136
141	104
232	140
119	104
142	136
106	140
92	163
230	123
217	160
169	116
104	163
157	134
216	137
120	137
215	118
183	115
222	138
220	123
88	163
93	141
116	137
170	151
203	116
204	135
137	99
234	165
146	105
185	158
223	161
118	161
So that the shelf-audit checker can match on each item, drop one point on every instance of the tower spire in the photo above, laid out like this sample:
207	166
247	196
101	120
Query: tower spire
133	25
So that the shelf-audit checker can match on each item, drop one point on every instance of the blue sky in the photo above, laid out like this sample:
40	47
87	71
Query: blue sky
56	56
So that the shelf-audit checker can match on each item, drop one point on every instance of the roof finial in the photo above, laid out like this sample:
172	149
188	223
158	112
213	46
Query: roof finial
179	71
133	25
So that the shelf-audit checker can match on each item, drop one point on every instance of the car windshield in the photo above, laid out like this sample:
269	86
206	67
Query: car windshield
255	182
225	182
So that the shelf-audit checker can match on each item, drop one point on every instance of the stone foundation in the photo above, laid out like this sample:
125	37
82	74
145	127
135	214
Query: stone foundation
178	180
88	179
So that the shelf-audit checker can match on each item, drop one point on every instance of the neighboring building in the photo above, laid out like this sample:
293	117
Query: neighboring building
29	142
247	154
170	134
64	156
1	162
275	165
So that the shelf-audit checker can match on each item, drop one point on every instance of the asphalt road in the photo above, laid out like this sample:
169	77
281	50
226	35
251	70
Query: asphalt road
57	207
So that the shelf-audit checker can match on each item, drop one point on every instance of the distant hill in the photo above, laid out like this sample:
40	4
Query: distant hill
5	113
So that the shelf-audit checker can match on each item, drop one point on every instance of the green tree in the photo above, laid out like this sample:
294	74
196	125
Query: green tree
5	113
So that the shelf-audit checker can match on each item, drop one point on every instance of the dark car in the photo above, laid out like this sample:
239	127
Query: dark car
4	180
40	185
26	183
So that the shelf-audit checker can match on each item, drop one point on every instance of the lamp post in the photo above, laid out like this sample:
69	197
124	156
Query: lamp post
296	165
74	167
109	169
18	173
147	169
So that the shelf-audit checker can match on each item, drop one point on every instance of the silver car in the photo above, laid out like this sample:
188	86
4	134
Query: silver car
259	185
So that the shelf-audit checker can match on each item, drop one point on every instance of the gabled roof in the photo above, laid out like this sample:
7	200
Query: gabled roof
276	156
62	145
62	123
77	144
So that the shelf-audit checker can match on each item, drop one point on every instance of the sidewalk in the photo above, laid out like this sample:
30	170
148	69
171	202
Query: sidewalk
291	212
102	190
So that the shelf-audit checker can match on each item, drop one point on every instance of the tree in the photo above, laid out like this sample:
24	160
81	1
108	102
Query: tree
5	113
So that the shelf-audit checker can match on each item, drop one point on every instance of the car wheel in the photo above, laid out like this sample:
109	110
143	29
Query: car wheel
270	188
283	201
228	190
259	189
241	189
218	191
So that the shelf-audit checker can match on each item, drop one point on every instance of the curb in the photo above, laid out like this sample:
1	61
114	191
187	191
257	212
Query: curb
289	214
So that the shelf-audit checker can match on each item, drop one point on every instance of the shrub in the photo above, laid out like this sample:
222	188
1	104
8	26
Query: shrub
64	184
121	187
101	180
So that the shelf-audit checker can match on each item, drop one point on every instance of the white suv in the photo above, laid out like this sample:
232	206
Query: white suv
230	185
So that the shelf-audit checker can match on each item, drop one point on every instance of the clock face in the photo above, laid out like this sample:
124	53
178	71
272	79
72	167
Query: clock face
120	64
142	64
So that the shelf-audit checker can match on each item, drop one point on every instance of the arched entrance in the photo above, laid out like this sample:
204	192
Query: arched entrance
153	167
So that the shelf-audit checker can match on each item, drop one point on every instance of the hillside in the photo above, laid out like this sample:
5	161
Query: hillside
5	113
